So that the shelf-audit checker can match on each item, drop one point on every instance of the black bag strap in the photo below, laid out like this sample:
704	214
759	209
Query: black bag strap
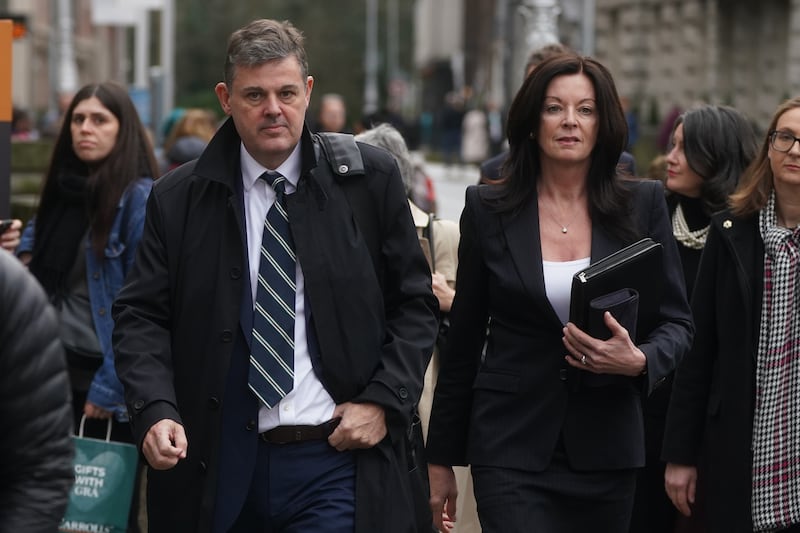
427	232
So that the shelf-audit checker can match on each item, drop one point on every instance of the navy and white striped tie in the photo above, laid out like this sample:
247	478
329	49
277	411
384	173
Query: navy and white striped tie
271	374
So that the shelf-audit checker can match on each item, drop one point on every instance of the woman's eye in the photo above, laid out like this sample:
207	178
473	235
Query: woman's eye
586	111
552	109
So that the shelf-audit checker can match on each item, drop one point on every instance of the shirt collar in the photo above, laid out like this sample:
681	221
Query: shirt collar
252	169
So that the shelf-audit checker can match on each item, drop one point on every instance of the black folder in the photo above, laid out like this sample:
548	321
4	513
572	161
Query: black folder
628	283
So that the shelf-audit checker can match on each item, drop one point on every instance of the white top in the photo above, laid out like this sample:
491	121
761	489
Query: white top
308	403
558	283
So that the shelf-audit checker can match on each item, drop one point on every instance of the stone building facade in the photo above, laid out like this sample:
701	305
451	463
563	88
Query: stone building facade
673	53
664	54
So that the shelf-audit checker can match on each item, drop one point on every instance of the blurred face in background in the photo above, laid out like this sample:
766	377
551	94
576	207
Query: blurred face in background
332	115
94	130
681	179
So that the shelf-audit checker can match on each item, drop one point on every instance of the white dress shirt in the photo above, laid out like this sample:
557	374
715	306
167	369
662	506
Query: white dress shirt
308	403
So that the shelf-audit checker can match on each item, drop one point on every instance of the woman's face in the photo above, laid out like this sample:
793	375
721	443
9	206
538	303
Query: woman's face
569	123
94	130
681	179
786	165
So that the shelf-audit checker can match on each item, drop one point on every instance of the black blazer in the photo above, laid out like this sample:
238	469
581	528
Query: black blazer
510	409
712	405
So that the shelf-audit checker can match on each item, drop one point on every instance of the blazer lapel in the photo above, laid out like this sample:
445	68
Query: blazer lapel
521	232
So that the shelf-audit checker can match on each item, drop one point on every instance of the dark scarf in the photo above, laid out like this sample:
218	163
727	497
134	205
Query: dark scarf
58	234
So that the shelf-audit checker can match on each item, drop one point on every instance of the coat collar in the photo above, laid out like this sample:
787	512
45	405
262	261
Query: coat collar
220	160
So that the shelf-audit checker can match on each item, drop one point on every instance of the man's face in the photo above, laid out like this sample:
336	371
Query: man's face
268	104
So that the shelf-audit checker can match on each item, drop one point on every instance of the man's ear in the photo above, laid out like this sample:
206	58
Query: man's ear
224	97
309	86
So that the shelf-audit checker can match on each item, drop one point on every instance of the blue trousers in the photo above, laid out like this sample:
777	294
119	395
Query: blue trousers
300	487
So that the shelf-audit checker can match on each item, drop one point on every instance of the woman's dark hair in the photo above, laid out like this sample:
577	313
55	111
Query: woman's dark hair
719	143
131	158
609	203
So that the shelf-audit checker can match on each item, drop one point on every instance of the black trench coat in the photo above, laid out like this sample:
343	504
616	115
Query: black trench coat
181	319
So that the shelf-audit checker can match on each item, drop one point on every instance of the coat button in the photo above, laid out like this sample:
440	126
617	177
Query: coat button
213	402
562	374
403	393
96	275
343	169
101	311
236	273
251	425
138	404
226	335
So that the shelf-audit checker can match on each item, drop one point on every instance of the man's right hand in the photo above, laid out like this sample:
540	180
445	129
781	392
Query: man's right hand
443	496
680	482
165	444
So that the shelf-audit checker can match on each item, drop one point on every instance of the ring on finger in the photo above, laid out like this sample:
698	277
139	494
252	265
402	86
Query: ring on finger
583	359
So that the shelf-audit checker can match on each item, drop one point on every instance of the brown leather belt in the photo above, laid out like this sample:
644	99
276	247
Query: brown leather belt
290	434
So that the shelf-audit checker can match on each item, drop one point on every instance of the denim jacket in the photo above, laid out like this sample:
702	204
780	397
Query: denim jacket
105	278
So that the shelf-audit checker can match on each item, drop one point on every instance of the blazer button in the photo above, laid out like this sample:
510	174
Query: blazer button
202	466
403	393
213	402
251	425
236	273
226	335
138	404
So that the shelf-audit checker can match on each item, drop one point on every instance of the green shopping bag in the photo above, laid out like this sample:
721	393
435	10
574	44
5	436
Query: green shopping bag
105	473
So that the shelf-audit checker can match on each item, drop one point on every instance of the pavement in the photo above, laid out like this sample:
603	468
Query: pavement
450	183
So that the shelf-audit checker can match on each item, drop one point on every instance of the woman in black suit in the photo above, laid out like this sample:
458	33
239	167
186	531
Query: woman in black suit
735	394
710	147
550	418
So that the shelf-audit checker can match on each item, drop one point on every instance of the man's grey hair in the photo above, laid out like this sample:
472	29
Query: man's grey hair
261	41
387	137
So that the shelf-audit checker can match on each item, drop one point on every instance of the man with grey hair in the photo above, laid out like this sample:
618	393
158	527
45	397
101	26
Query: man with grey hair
273	334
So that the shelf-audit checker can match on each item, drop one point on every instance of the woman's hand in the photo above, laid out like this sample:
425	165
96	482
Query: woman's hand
95	411
617	355
9	240
443	496
680	482
442	291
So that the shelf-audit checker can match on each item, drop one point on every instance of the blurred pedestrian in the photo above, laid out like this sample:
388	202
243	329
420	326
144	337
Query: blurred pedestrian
332	115
188	137
22	128
36	450
275	329
547	453
81	243
735	394
451	118
711	146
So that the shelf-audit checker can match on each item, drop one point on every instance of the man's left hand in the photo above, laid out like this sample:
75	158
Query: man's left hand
363	425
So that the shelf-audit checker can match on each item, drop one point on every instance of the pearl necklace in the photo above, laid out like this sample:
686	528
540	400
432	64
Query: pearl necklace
680	229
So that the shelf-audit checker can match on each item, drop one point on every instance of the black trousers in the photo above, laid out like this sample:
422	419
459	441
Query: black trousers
557	500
